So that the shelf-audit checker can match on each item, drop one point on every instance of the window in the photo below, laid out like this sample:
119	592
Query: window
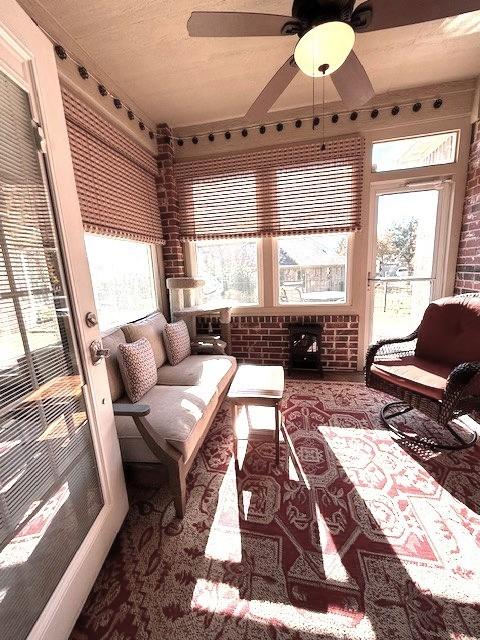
123	279
409	153
230	270
313	269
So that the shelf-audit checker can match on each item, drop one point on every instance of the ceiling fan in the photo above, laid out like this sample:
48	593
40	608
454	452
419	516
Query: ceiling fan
326	31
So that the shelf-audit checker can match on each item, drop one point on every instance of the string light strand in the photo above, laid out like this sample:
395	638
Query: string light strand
393	110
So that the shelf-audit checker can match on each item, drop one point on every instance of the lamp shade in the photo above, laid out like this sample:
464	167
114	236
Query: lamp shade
326	44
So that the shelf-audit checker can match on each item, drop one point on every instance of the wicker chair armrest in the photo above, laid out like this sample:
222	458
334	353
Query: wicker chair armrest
461	377
391	344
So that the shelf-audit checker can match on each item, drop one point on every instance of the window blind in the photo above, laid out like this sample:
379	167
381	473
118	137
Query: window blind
298	189
115	177
50	492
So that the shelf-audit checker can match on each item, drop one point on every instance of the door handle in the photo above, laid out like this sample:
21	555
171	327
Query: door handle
97	352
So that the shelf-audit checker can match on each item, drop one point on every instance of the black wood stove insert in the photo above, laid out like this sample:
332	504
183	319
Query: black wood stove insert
305	349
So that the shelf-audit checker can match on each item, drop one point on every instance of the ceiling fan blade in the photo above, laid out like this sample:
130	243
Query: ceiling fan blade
386	14
352	83
273	90
224	24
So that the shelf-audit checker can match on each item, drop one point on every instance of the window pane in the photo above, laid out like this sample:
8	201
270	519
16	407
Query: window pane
122	278
422	151
230	270
313	269
406	224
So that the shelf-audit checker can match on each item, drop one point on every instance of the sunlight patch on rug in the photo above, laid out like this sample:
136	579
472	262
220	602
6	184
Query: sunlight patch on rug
224	600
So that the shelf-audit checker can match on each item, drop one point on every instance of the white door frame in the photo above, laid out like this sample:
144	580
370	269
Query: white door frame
26	56
444	187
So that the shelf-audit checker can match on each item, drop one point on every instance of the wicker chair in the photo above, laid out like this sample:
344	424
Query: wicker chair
435	370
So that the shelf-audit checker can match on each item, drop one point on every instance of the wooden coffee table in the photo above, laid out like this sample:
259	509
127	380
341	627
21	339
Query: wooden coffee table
260	385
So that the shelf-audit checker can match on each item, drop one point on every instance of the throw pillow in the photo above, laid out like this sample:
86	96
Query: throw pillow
138	368
152	329
177	342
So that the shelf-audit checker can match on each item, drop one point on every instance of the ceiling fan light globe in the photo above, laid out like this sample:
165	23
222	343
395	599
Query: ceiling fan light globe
326	44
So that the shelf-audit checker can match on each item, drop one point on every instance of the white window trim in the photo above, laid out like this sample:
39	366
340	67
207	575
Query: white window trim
158	275
455	130
269	303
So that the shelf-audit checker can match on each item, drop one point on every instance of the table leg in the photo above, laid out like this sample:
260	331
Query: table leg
277	433
235	438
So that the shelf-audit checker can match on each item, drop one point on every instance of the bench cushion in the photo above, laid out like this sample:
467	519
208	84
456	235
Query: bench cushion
216	370
152	328
415	374
180	415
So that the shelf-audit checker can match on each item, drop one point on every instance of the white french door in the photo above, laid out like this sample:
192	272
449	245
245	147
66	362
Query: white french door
407	251
62	493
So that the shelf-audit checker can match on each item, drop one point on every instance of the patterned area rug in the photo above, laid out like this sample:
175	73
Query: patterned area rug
362	539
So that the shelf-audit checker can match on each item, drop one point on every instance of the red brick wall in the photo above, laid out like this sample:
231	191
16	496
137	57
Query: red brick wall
264	339
468	261
167	196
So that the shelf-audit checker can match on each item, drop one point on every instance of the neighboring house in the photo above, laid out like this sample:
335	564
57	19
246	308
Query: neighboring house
311	270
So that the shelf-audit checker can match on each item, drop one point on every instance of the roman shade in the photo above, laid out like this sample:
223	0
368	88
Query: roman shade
296	189
115	177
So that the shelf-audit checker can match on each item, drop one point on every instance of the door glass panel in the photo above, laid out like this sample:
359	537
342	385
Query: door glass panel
50	492
403	273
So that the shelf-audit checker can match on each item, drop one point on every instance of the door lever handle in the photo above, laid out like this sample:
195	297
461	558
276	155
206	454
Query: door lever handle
97	352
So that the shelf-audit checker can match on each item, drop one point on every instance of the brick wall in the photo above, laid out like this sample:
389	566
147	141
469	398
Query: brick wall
264	339
173	261
468	261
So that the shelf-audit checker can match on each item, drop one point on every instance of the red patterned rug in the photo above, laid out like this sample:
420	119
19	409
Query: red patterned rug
362	540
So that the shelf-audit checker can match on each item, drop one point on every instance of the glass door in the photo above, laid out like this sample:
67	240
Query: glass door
62	494
50	492
404	265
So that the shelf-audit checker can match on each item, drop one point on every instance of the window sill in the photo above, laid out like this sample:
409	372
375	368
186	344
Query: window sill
296	310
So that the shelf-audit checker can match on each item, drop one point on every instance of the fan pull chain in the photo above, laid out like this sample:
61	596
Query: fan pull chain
313	95
323	69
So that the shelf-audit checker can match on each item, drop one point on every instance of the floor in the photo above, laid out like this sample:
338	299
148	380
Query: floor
353	537
344	376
